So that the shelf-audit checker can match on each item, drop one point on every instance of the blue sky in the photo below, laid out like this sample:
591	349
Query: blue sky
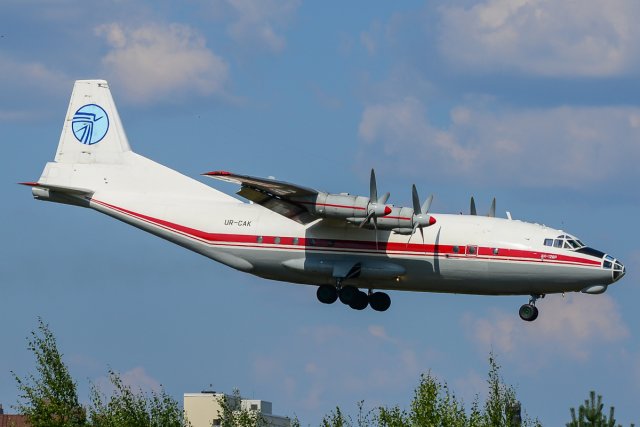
534	102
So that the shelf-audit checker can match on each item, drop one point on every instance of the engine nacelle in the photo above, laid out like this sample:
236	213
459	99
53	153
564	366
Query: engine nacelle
328	205
400	220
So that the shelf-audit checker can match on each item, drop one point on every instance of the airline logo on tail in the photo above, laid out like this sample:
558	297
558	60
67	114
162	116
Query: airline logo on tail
90	124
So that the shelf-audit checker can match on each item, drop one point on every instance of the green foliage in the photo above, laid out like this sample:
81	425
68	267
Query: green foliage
590	414
232	414
126	408
336	419
435	405
50	398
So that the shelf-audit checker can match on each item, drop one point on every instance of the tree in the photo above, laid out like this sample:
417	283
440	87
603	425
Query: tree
590	414
435	405
336	419
126	408
50	398
232	414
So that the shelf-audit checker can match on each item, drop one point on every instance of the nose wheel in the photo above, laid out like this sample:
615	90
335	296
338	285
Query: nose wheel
529	312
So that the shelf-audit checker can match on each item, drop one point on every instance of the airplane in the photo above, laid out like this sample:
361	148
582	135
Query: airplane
353	248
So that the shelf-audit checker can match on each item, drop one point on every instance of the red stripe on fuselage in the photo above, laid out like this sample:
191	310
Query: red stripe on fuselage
357	246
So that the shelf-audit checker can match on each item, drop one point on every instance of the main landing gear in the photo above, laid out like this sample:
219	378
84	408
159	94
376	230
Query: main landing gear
529	312
353	297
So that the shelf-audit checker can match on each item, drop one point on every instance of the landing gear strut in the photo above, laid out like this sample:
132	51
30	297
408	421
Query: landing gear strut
529	312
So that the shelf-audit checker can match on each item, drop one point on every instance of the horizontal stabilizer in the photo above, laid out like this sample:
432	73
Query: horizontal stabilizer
59	188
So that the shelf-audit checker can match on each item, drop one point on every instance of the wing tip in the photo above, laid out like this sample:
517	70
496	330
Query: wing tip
217	173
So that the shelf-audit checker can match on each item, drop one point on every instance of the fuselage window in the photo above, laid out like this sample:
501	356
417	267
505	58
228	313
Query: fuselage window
276	240
548	242
296	241
471	250
456	249
557	243
259	239
496	251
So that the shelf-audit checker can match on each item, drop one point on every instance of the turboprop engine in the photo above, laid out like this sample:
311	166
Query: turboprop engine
403	220
345	206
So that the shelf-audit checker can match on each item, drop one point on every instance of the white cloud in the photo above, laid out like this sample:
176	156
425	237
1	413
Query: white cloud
26	85
568	328
544	37
154	62
258	22
137	379
568	147
324	371
378	332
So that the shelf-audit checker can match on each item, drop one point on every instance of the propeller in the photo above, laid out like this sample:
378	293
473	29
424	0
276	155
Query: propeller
492	209
376	206
421	217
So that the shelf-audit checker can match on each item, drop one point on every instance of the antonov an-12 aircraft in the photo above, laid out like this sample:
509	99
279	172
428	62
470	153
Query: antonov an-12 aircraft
350	247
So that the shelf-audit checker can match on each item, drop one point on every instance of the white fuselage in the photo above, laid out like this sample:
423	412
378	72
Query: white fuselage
460	253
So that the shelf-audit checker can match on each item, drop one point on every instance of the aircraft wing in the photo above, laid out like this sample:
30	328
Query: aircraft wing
271	194
270	186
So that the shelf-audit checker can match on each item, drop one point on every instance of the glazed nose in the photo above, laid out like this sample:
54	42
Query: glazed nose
619	271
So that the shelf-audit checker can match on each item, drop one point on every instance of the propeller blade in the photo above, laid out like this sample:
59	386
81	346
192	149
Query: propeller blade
472	208
367	219
492	210
412	233
422	234
427	205
416	201
373	188
382	200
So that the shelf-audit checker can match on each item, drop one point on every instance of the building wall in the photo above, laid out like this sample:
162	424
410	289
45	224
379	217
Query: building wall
202	409
13	421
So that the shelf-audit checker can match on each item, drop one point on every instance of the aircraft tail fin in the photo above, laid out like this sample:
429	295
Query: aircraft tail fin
94	157
92	131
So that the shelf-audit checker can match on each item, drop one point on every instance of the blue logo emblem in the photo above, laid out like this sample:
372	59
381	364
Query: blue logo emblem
90	124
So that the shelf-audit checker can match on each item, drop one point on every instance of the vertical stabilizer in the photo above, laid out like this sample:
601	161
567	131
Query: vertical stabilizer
92	131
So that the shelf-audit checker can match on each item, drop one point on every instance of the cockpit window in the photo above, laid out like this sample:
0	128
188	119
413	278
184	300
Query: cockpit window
565	242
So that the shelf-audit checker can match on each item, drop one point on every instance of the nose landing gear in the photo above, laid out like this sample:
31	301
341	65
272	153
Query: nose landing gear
529	312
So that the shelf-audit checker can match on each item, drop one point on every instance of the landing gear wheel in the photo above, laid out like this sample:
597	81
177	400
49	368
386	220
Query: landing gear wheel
347	294
528	312
327	294
360	301
379	301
